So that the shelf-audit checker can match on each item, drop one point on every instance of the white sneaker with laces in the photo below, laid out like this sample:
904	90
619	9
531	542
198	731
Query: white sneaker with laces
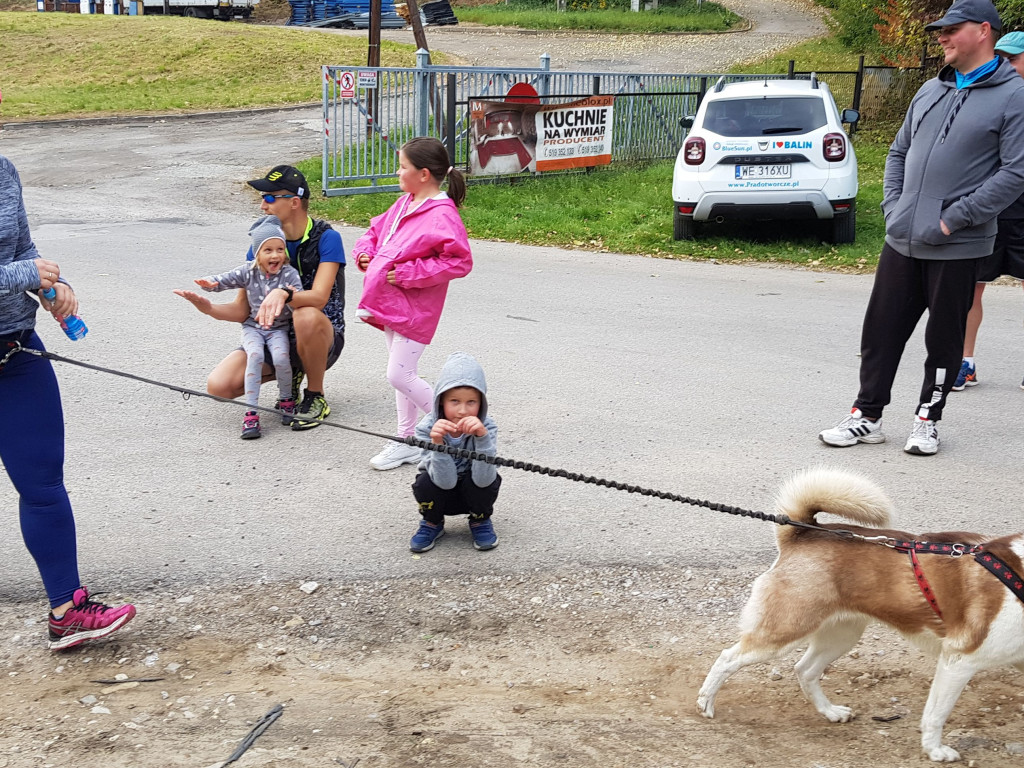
924	438
854	429
395	455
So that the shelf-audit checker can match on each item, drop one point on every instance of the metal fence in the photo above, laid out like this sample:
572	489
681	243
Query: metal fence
369	112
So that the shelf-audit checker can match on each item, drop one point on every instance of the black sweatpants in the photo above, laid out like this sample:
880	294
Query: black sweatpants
466	498
904	288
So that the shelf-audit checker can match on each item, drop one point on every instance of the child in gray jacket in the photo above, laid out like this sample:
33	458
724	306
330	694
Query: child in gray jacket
447	485
269	269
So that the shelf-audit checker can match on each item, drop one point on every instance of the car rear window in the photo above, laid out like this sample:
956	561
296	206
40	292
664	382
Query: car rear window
765	117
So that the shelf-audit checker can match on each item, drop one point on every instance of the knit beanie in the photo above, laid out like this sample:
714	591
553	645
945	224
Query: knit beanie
266	228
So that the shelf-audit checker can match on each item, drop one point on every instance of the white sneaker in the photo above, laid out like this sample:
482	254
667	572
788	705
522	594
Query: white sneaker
854	429
924	439
395	455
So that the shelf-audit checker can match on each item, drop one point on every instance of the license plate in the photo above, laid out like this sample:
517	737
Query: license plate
764	171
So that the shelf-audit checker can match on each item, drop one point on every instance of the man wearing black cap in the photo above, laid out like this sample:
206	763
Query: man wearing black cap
318	321
956	163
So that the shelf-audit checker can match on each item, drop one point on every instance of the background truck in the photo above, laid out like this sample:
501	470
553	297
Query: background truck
198	9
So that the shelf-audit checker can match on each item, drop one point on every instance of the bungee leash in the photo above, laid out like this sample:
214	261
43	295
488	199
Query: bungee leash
998	567
450	450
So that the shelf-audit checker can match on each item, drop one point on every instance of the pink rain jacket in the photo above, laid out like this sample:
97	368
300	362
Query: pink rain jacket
427	248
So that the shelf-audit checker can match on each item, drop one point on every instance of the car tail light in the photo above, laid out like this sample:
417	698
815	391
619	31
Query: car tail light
694	150
841	207
687	209
834	147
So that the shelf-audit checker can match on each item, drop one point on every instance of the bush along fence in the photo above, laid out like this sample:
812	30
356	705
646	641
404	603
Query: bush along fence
504	122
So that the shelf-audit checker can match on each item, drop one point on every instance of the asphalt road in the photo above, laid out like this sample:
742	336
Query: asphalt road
706	380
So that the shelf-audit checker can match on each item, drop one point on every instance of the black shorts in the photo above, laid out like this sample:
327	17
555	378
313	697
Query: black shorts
332	355
1008	255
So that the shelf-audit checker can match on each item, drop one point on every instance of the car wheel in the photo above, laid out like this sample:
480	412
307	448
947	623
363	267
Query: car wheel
683	227
844	228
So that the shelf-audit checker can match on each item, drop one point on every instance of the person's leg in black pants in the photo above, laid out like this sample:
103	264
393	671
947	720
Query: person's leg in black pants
898	300
950	289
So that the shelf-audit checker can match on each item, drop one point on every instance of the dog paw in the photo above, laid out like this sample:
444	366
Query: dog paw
837	713
705	707
943	754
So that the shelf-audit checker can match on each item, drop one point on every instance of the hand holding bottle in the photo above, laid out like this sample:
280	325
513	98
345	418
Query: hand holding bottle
72	325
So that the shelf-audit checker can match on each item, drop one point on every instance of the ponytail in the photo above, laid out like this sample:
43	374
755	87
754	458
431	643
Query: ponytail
456	186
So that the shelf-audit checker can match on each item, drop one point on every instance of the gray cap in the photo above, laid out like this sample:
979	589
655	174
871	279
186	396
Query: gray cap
960	11
263	229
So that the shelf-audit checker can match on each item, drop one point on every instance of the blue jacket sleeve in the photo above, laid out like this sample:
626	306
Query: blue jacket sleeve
17	272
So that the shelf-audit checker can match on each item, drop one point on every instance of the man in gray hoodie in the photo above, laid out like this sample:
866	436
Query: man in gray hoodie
955	164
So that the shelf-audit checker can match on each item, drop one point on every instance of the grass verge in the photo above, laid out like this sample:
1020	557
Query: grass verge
592	211
95	64
685	16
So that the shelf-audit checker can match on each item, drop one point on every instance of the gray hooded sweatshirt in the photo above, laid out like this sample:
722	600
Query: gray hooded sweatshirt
958	157
461	370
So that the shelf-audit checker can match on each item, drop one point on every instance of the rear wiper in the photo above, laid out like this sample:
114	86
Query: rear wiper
769	131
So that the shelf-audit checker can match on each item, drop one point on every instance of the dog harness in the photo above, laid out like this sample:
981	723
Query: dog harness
996	566
1003	572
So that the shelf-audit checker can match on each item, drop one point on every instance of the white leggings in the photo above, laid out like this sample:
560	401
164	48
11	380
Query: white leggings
412	394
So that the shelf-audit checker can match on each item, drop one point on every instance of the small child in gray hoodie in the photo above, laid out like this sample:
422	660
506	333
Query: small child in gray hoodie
269	269
447	485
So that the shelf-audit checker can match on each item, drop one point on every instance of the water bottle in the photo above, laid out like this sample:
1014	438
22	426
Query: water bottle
73	326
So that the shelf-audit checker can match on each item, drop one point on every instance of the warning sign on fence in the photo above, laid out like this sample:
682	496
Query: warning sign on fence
346	85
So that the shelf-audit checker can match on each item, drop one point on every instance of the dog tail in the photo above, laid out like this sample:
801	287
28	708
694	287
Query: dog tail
836	491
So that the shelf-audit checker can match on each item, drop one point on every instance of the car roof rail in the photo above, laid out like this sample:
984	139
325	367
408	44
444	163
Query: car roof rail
720	84
814	79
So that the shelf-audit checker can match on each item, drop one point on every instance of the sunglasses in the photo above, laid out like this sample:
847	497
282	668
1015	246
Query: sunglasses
269	199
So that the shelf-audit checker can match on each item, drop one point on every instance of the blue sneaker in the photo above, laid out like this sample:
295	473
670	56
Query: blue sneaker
968	377
426	536
484	536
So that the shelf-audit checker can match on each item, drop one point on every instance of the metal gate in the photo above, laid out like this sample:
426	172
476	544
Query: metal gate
369	112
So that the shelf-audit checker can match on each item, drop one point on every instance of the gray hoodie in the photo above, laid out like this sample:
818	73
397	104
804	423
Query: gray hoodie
461	370
959	156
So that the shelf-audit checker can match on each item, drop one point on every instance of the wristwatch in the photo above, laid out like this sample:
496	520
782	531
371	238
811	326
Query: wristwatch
290	293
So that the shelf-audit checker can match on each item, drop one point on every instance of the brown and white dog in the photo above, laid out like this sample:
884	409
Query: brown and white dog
824	589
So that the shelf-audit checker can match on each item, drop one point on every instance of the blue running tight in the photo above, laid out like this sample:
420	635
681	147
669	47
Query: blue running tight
32	451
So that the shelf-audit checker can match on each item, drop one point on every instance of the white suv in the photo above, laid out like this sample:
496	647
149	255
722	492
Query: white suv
767	149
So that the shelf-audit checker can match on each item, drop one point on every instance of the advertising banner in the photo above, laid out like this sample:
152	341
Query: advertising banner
522	135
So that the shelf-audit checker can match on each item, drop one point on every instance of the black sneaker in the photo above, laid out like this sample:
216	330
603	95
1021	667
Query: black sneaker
313	410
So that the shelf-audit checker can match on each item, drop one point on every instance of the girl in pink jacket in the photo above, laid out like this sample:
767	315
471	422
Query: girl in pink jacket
409	255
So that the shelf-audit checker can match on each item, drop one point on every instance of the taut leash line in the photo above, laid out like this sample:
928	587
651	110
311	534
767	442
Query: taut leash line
450	450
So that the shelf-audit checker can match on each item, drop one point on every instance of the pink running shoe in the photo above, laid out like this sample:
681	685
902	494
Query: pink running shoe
87	620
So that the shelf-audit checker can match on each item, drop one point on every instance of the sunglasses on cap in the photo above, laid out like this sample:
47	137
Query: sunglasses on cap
269	199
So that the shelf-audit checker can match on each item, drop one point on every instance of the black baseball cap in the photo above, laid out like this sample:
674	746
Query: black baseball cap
978	11
283	177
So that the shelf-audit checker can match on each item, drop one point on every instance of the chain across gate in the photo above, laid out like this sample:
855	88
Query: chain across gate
369	112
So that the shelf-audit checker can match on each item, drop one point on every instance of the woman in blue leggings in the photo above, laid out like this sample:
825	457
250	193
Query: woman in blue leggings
32	427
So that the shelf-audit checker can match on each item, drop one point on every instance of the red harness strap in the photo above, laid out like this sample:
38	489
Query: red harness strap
922	582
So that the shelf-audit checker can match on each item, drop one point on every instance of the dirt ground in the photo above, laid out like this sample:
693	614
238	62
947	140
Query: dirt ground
576	668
